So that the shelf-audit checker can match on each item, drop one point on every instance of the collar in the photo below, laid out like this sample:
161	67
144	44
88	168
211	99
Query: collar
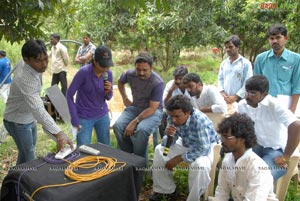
56	44
30	69
188	121
265	101
246	153
239	57
284	54
90	43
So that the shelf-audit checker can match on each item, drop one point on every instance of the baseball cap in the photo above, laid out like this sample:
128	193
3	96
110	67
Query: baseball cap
103	56
143	56
3	53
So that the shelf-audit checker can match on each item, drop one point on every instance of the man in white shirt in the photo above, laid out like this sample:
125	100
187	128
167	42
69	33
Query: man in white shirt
59	62
204	97
176	87
173	87
243	174
234	71
276	127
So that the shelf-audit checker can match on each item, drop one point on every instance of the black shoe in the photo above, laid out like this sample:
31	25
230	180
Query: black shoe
172	196
156	197
160	196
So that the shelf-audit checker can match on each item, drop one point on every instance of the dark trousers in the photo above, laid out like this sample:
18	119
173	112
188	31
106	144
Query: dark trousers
62	78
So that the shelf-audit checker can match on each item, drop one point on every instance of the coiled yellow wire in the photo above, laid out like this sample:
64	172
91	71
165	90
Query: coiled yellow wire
88	162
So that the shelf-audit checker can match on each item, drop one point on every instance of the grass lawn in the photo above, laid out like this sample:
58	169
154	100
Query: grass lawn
201	62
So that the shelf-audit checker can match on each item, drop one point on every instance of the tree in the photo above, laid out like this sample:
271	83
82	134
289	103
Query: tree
249	19
19	19
24	19
164	34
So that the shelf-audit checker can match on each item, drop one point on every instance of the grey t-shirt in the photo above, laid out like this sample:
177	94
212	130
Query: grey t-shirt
144	91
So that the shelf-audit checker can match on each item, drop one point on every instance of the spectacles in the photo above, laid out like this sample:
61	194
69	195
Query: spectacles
251	93
225	138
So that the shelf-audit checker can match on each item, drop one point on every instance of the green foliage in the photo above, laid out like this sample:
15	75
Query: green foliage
181	180
21	19
13	51
133	5
249	19
62	20
292	193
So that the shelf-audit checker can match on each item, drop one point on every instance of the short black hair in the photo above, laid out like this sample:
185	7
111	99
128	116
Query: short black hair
257	83
33	49
56	36
180	71
179	102
234	39
240	126
3	53
191	77
277	29
144	57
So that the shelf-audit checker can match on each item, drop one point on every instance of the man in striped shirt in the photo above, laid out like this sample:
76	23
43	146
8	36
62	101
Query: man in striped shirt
25	107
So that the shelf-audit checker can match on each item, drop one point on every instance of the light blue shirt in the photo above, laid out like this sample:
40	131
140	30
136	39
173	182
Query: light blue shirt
232	76
283	73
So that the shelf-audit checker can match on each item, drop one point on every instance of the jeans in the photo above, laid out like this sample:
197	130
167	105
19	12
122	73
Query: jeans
268	155
62	78
137	143
25	136
101	126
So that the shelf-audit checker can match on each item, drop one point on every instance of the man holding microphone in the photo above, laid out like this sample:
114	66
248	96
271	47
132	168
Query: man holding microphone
193	135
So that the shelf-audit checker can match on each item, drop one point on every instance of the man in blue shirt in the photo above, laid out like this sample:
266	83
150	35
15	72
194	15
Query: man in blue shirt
193	135
143	114
234	71
281	66
4	71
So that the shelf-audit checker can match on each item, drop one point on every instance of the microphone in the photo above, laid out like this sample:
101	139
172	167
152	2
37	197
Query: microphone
105	78
170	139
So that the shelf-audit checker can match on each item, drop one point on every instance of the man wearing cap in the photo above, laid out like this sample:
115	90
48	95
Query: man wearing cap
4	71
86	51
92	85
143	114
59	62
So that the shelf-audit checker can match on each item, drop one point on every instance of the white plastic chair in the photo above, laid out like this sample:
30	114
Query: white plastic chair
283	182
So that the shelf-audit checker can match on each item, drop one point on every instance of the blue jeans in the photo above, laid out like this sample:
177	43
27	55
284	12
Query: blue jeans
268	155
137	143
101	126
24	136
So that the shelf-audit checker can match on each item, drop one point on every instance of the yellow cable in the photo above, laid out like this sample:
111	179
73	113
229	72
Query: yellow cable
87	163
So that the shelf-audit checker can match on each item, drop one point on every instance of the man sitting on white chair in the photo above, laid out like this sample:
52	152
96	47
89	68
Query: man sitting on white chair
277	128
